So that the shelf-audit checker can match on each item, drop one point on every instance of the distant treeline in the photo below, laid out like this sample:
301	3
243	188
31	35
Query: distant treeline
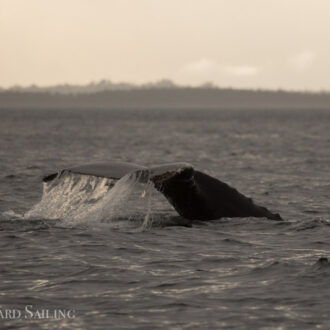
167	98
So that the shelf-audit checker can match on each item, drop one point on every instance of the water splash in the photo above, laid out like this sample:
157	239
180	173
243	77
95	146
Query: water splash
81	198
148	194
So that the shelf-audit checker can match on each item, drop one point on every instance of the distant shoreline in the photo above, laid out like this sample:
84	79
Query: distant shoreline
166	98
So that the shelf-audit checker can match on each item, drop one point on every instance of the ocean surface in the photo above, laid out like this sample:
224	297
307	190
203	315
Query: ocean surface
100	258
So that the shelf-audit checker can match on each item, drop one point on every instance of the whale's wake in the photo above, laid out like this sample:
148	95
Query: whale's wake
81	198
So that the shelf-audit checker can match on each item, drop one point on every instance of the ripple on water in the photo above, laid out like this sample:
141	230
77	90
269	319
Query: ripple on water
229	273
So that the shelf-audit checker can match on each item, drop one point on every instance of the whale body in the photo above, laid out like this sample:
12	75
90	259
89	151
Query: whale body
194	194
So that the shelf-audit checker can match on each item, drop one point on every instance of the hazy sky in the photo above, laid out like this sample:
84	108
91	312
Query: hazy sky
239	43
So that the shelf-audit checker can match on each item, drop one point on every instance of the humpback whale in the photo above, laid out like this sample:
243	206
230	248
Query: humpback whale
194	194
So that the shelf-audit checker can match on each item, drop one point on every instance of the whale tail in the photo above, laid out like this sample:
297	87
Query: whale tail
198	196
193	194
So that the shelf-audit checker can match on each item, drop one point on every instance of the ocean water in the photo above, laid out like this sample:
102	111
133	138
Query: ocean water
105	259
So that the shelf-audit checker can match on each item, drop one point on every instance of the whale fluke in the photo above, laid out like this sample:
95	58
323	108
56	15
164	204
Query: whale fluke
198	196
193	194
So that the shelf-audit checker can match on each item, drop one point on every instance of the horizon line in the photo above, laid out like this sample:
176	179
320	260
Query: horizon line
162	83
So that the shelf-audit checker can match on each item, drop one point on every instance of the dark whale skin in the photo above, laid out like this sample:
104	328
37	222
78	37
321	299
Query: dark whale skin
198	196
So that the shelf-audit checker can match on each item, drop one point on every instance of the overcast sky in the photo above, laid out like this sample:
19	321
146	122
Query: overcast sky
238	43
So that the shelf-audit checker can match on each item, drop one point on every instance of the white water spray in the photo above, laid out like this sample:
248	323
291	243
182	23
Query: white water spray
82	198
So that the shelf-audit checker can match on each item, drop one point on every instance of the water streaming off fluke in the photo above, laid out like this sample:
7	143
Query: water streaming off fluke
75	197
